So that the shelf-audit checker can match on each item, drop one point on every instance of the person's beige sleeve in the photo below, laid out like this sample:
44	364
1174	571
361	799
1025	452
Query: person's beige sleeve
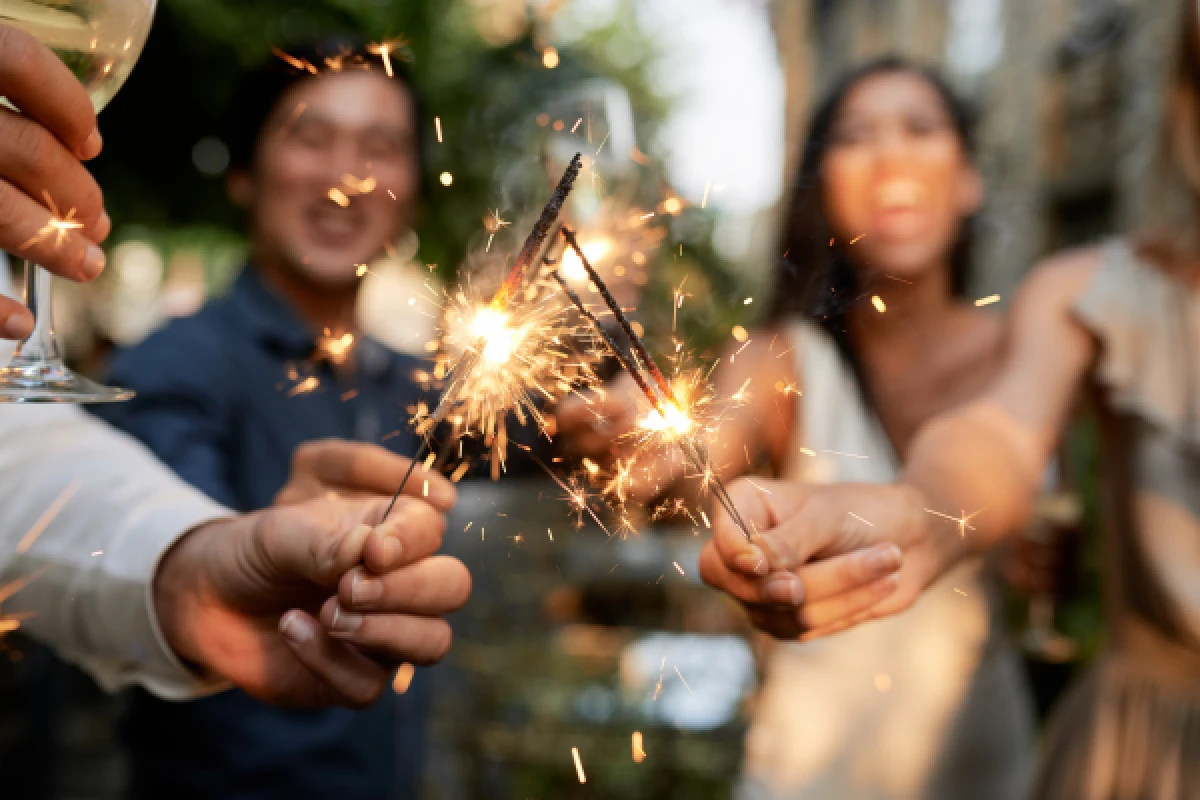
86	513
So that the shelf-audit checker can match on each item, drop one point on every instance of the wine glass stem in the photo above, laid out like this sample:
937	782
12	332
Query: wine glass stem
41	344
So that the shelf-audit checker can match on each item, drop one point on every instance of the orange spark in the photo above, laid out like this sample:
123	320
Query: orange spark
48	516
57	226
578	765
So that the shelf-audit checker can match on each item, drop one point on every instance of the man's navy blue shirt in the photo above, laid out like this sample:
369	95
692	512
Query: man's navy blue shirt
224	397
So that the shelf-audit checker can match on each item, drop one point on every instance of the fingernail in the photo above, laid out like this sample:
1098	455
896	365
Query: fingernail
889	584
784	589
92	145
18	326
883	560
365	590
93	262
345	621
393	550
296	627
104	225
752	561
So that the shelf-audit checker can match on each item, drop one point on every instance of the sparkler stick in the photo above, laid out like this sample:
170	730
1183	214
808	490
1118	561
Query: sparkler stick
693	449
512	282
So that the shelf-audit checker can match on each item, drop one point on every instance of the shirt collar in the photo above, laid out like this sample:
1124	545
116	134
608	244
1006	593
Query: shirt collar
271	319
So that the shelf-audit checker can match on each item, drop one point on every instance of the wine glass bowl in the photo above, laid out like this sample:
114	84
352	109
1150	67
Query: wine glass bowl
99	41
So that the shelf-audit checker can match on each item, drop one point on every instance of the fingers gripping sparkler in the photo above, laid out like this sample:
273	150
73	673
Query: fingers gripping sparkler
660	395
513	282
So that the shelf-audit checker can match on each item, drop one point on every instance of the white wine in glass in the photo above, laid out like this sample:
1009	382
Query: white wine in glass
99	41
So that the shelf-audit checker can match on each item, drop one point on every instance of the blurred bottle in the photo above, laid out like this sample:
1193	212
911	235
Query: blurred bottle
1045	566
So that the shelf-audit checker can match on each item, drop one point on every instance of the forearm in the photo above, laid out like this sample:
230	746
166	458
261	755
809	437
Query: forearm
88	513
977	471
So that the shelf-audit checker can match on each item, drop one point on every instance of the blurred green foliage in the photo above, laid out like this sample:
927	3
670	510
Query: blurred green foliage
477	65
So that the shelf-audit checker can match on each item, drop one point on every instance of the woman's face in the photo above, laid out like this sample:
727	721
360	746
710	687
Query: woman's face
897	177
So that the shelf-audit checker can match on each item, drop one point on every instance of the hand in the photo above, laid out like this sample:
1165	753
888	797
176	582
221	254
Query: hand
338	468
241	598
594	424
827	557
40	153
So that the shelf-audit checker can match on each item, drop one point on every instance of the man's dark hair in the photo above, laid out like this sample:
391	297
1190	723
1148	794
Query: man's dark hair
259	91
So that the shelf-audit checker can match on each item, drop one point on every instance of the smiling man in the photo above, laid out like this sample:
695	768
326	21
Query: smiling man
326	167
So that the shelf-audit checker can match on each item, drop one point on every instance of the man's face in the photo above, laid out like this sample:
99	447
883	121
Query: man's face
335	175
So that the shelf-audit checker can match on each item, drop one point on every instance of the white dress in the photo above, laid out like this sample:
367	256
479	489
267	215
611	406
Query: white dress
928	704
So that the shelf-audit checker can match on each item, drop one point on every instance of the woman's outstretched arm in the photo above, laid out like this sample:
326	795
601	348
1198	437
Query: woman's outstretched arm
970	479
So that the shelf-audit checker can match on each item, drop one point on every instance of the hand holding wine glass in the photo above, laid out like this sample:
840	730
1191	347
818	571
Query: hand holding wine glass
40	153
98	41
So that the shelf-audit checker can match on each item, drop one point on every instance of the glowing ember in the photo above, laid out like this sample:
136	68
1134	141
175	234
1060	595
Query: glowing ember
338	196
639	754
57	226
578	765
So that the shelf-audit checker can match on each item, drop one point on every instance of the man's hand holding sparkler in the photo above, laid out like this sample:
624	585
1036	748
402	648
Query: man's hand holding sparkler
40	171
312	604
343	469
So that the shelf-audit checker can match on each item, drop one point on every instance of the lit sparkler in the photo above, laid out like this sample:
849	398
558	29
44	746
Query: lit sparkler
670	416
498	347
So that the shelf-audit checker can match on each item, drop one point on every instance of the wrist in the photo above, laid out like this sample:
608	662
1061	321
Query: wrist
940	537
180	587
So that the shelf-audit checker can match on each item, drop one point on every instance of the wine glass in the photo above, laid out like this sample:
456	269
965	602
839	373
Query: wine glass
99	41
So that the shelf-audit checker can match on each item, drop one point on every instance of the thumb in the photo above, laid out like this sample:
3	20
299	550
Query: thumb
317	541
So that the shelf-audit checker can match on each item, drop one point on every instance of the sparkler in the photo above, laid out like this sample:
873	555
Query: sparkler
496	332
672	415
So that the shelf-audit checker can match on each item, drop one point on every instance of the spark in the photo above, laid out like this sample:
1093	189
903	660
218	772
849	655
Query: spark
808	452
354	184
336	349
575	127
295	115
681	572
845	455
550	60
48	516
338	196
704	200
856	239
57	226
639	754
740	334
987	301
963	522
877	301
437	125
685	683
578	765
385	49
446	179
860	519
960	591
403	679
296	63
305	386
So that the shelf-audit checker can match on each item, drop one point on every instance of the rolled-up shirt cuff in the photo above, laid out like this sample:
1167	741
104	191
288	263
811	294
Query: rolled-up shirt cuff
149	660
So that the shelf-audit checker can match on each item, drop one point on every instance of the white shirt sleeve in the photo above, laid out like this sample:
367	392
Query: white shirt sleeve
86	513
